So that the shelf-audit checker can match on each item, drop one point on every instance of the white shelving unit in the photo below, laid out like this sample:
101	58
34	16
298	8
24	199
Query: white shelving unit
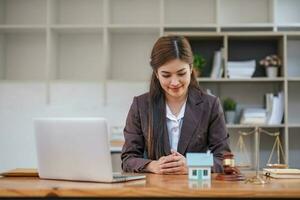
70	47
241	12
287	12
195	13
23	54
28	12
134	12
66	12
293	102
128	59
293	62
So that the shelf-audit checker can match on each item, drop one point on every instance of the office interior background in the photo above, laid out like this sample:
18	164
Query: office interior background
89	58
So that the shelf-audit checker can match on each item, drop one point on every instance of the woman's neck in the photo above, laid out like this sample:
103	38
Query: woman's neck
176	100
175	104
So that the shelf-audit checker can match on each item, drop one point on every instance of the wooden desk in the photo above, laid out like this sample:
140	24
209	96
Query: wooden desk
155	186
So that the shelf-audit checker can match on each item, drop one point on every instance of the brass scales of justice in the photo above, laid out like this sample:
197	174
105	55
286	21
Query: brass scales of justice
241	147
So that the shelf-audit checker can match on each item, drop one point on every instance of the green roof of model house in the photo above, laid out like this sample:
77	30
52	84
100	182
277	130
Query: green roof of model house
199	159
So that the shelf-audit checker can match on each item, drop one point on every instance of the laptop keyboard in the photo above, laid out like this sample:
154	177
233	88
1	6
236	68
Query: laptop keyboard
119	175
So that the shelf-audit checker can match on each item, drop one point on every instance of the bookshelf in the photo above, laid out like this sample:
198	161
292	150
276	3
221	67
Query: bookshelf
286	13
29	12
67	47
248	92
29	47
65	12
88	58
194	13
240	12
133	12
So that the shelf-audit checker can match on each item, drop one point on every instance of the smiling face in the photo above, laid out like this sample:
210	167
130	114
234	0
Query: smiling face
174	78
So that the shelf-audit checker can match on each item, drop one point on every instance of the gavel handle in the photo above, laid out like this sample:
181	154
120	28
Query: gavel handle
231	170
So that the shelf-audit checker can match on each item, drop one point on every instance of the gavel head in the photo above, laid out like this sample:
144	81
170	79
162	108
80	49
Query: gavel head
228	164
228	160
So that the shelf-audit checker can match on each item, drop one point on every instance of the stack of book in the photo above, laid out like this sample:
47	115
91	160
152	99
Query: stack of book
241	69
254	116
282	173
272	114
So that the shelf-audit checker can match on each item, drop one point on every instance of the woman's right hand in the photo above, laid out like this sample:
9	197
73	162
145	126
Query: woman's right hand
155	166
171	164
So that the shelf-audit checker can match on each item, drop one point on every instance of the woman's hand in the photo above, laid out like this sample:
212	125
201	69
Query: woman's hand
174	163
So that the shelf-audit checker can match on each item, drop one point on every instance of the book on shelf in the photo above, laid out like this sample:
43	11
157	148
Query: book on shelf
217	67
269	104
241	69
253	116
275	108
282	173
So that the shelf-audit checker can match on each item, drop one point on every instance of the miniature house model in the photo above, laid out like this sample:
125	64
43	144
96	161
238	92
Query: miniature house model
199	165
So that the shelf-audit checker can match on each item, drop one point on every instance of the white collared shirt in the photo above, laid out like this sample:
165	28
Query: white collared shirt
174	125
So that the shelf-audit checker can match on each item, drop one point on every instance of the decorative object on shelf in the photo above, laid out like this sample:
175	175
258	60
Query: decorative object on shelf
231	173
279	149
229	105
241	148
199	165
199	63
271	64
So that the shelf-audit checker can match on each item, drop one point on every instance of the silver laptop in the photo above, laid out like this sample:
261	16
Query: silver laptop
75	149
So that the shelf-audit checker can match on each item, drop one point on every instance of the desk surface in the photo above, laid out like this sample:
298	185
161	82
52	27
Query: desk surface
152	186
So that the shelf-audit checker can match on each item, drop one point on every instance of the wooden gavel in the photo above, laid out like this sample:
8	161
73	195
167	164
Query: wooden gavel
231	173
228	164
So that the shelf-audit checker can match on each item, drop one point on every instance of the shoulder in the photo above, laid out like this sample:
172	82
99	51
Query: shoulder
210	103
141	102
200	95
142	99
210	98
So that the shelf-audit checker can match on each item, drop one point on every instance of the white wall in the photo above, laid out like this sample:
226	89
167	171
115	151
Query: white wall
21	102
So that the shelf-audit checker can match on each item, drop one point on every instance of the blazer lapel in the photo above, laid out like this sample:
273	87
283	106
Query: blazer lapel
191	119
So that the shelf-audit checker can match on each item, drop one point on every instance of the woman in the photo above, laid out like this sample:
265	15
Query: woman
174	117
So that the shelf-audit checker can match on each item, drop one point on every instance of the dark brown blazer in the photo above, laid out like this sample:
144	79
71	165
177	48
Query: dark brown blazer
203	129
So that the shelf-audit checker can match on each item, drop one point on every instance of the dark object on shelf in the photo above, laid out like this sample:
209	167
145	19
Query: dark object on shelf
231	173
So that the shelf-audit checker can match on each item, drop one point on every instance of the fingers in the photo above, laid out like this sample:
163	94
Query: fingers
175	153
172	164
173	170
176	167
166	159
169	158
182	169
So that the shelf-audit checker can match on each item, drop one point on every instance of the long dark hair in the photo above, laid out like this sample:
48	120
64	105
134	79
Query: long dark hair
165	49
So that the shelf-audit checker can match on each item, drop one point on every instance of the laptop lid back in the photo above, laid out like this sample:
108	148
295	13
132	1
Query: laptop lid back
73	149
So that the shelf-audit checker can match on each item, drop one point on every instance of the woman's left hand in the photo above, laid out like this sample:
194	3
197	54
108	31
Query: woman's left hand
176	166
